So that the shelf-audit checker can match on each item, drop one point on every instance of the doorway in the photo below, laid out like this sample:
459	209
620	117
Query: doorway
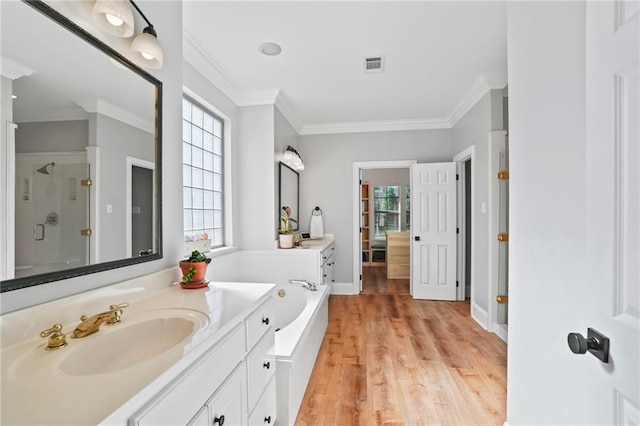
358	168
465	223
140	207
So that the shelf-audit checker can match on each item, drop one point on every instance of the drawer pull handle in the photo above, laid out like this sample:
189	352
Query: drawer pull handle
267	419
266	365
219	420
265	321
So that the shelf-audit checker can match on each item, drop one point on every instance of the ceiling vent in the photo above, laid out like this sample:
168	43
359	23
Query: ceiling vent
373	64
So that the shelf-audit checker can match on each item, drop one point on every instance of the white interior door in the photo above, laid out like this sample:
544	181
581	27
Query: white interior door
613	206
433	229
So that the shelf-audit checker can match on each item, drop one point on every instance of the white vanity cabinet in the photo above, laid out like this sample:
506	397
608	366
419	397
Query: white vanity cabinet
227	385
327	260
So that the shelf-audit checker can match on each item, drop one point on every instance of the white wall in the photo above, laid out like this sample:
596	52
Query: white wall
256	180
473	129
59	135
326	180
547	211
167	19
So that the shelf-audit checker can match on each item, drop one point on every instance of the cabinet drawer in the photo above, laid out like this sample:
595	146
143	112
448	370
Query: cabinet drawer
226	406
326	254
258	323
200	419
179	401
261	367
265	411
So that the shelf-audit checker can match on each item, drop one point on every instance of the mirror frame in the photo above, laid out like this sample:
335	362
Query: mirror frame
297	227
34	280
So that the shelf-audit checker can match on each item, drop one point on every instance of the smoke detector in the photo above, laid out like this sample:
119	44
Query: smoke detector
373	64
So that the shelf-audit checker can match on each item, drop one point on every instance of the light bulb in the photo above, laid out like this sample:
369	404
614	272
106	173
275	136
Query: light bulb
147	56
114	20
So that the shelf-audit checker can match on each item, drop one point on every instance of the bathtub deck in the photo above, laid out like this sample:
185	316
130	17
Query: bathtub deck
389	359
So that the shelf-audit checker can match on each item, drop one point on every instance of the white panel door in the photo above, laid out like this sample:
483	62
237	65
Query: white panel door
433	229
613	207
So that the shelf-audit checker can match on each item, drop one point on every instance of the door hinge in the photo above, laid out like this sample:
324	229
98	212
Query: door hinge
457	230
503	175
360	277
86	182
360	181
86	232
503	238
457	283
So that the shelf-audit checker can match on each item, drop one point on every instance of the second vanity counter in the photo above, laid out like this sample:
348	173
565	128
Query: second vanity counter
111	376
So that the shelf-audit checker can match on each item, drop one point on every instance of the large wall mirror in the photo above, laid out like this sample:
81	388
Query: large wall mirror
80	160
289	192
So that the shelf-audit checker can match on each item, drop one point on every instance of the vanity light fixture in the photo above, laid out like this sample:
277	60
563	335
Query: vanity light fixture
292	158
146	46
116	18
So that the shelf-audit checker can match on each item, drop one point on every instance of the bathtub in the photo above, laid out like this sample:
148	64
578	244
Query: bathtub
301	318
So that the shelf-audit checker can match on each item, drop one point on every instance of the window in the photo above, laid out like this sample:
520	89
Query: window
407	208
202	173
386	210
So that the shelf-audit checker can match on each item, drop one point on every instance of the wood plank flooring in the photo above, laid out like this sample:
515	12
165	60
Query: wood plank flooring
388	359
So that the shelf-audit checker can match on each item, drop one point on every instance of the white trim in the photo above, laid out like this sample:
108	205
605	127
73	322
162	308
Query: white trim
502	331
480	87
467	154
343	289
138	162
358	166
12	69
496	142
7	215
93	160
57	114
479	315
375	126
286	108
103	107
195	55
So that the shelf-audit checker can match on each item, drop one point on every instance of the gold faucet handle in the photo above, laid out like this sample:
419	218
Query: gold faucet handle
117	313
57	339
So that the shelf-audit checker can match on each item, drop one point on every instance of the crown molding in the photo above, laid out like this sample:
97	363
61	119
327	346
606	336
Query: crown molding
258	97
480	87
12	69
285	106
195	56
105	108
375	126
55	114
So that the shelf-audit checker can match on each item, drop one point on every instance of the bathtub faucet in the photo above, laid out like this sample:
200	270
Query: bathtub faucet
304	283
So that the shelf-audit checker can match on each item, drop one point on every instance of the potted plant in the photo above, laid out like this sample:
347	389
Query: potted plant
285	232
194	270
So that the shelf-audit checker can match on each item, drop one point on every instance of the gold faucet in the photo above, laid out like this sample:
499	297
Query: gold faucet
90	325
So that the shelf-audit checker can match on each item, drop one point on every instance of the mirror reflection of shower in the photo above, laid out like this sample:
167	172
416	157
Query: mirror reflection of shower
44	169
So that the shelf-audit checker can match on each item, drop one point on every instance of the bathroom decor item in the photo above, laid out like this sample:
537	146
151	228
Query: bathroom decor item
194	270
285	233
316	227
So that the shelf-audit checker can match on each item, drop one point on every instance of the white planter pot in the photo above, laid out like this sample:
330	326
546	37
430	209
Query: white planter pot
286	241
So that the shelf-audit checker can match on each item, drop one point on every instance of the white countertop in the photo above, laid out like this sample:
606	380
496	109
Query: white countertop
46	395
315	244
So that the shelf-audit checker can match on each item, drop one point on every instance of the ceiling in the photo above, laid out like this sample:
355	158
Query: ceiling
440	58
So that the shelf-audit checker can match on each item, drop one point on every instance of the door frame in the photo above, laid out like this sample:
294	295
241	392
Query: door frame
358	166
497	140
460	159
138	162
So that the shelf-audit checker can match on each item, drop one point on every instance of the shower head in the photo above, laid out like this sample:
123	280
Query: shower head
44	170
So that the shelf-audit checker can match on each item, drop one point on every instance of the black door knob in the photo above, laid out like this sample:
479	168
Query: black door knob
597	344
218	421
579	345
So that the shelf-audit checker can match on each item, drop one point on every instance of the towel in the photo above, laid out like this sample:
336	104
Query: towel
316	227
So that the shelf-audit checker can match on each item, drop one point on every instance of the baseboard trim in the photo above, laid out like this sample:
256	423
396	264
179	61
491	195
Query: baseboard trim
480	316
345	289
502	332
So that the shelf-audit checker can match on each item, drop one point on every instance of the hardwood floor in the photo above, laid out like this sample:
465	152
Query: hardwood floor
389	359
374	281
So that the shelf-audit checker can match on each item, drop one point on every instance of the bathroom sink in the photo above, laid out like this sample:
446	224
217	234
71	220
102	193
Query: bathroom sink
141	337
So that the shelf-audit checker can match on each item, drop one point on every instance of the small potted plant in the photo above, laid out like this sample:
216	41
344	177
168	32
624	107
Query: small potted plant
194	270
285	232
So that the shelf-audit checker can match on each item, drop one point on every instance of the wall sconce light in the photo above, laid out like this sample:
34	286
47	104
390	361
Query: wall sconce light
116	18
292	158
